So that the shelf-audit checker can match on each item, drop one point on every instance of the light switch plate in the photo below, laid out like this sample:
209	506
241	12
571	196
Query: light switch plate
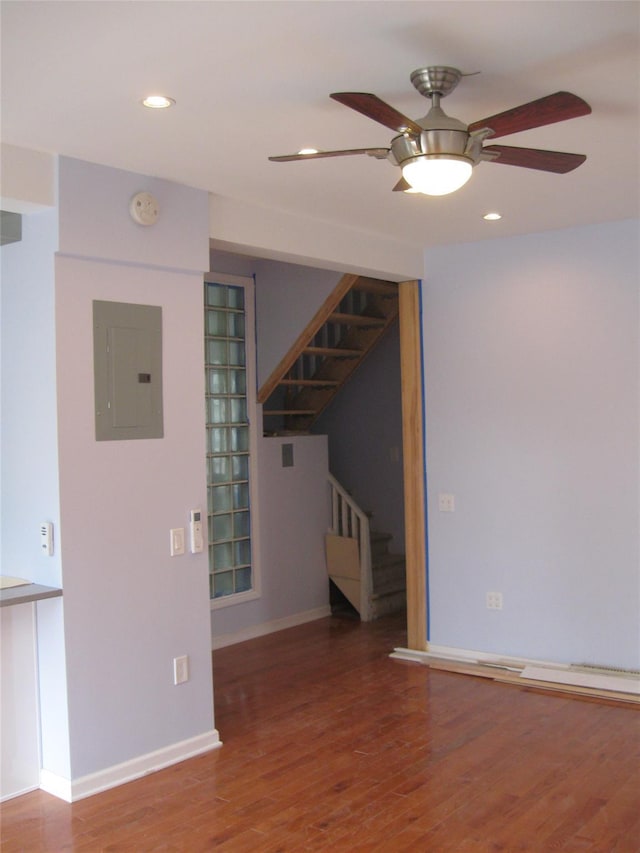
181	669
176	541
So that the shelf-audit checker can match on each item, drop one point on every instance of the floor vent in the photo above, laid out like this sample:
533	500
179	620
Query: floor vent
604	670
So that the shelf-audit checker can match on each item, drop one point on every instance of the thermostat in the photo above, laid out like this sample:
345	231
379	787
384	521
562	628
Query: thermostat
144	208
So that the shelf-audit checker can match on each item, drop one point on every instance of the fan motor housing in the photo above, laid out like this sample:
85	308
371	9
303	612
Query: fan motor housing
451	143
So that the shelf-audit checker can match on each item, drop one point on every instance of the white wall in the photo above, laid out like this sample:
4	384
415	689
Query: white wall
532	393
28	179
267	233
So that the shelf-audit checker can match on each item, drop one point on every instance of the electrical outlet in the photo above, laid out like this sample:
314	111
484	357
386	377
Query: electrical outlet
446	502
494	601
181	669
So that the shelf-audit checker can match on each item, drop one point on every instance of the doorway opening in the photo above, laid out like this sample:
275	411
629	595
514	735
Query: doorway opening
411	442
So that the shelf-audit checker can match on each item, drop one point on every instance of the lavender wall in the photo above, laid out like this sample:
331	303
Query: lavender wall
532	404
293	515
29	429
130	608
30	490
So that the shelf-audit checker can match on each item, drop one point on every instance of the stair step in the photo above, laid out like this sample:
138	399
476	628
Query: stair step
334	352
393	603
318	383
356	320
377	535
289	412
388	561
372	285
390	578
379	544
390	589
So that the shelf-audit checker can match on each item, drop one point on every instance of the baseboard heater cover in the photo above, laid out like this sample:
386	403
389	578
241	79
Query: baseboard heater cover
579	678
601	682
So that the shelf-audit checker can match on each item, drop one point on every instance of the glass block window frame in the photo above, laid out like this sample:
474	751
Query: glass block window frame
231	423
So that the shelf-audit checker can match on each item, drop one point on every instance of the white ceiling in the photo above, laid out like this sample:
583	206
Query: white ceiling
252	79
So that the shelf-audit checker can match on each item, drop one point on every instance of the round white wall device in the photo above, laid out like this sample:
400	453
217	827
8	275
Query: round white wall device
144	208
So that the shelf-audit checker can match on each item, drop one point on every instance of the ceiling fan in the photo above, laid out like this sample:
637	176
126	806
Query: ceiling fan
437	153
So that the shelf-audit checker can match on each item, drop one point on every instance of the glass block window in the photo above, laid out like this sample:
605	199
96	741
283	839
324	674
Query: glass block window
228	460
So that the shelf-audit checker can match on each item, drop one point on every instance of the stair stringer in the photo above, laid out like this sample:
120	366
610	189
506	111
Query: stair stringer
319	319
327	352
343	566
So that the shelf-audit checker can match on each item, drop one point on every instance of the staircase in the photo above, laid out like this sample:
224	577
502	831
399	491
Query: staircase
359	562
343	331
389	591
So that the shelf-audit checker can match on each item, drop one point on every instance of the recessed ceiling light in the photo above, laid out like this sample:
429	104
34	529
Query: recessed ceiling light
158	102
308	151
492	217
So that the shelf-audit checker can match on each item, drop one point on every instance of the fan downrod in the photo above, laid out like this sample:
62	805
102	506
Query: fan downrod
438	80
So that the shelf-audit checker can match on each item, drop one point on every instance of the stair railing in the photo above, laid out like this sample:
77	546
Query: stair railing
349	520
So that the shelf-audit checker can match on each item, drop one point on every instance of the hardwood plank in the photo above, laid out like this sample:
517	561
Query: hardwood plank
330	745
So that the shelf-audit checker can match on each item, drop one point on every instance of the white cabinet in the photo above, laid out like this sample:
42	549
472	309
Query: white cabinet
19	743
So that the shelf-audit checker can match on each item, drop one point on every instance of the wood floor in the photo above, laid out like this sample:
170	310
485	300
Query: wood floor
330	745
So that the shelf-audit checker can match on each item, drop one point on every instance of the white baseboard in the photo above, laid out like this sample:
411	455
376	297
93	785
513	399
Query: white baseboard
562	674
19	793
56	785
264	628
71	790
454	653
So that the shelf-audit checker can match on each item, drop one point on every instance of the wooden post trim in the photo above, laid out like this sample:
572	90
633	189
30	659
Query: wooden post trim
414	464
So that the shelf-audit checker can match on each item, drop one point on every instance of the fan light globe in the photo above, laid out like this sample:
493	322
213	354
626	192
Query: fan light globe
437	175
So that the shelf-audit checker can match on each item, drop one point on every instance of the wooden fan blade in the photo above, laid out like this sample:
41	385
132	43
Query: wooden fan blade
535	158
372	107
402	186
378	153
552	108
